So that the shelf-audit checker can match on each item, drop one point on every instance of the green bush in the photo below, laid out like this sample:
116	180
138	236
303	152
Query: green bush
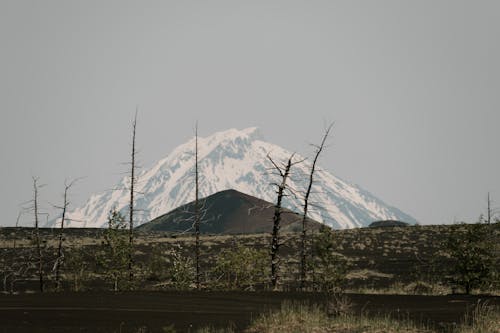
240	268
471	249
77	268
182	270
112	258
330	268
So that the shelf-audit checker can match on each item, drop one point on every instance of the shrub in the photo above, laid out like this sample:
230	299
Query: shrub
240	268
113	255
330	268
182	270
77	268
471	251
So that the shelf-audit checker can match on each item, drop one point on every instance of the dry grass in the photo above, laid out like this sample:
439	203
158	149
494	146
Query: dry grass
417	288
361	324
412	288
484	319
312	319
303	318
210	329
292	318
365	274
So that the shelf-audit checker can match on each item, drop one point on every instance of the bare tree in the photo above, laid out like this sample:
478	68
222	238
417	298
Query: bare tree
131	204
303	238
17	270
283	172
197	213
60	256
37	233
488	213
17	225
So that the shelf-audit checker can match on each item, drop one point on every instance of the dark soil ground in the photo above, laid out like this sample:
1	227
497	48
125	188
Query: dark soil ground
187	311
379	258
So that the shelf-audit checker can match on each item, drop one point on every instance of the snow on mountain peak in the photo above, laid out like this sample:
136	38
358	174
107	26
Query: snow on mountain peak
250	133
234	159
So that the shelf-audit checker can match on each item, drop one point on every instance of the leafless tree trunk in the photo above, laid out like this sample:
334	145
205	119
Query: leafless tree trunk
283	172
197	213
488	216
60	255
5	279
303	238
17	225
131	205
37	234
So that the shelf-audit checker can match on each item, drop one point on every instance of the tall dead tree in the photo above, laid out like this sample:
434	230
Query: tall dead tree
17	225
303	238
488	215
60	254
37	234
131	204
197	213
283	172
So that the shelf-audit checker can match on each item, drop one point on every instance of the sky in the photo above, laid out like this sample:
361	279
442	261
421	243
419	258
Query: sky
412	86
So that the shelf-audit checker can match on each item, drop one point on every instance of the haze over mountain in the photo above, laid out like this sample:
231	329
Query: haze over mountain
235	159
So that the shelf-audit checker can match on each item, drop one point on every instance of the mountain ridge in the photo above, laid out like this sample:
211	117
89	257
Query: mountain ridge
235	159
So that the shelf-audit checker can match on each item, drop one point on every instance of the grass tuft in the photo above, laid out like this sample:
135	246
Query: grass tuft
293	318
297	318
210	329
484	318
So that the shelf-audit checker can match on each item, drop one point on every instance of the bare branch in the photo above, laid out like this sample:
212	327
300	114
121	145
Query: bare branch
276	167
131	204
303	264
36	187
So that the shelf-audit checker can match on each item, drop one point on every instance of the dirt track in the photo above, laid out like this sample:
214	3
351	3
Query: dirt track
128	312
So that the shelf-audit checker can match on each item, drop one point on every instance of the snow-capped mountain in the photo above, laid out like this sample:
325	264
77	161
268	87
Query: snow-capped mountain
235	159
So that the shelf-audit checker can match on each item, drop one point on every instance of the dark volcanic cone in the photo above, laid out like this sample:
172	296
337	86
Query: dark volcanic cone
227	212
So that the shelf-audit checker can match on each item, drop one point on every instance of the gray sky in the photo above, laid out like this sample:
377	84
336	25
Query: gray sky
414	89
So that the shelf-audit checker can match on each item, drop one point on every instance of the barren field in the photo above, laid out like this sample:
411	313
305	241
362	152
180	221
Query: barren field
378	257
187	311
392	271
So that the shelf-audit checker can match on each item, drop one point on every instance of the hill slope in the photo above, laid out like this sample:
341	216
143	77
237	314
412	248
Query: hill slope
226	212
